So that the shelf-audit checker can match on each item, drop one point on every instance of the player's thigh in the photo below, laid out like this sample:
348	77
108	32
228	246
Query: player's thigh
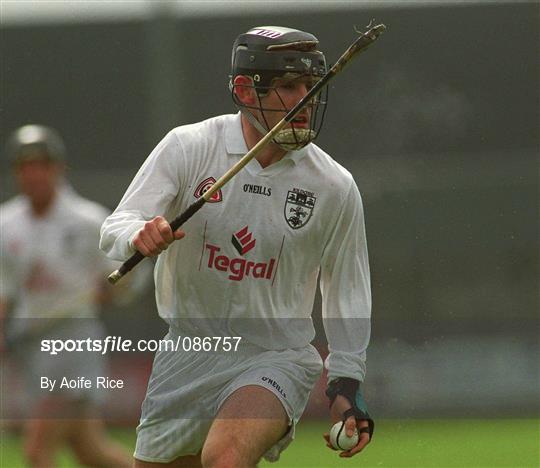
250	422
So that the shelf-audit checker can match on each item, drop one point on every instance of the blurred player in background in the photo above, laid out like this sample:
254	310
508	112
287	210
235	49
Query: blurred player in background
248	268
52	282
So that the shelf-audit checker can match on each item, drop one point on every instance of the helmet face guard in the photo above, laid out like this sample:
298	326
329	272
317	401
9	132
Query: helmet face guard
265	54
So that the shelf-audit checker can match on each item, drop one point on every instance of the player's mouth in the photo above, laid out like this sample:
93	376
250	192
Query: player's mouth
300	121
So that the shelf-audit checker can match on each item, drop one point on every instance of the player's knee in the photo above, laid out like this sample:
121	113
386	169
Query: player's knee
227	459
230	454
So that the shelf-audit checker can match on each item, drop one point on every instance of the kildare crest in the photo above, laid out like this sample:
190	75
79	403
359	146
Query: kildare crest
299	207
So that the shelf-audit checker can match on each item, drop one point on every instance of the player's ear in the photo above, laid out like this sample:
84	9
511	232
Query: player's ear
244	90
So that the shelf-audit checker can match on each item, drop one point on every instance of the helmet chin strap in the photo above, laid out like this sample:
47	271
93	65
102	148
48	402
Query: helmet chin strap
253	121
287	139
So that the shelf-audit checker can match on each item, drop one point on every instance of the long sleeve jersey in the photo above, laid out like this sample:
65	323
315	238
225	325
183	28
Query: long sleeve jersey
249	263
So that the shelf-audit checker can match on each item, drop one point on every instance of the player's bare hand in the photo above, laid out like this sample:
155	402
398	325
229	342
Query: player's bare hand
155	236
340	405
326	436
363	436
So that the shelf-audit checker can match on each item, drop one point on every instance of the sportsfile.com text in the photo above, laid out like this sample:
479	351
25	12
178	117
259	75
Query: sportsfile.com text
119	344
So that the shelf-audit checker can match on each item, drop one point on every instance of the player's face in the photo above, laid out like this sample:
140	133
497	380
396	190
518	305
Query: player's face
284	95
37	179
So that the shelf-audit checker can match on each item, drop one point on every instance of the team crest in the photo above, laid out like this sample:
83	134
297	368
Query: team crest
299	207
204	186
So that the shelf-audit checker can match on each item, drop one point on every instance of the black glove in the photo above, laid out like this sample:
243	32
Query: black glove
350	389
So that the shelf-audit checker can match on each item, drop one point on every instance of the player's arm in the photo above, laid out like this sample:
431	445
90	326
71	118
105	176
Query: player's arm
138	222
346	307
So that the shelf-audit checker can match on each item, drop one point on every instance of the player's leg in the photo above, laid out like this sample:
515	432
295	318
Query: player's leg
42	439
92	447
47	430
250	421
188	461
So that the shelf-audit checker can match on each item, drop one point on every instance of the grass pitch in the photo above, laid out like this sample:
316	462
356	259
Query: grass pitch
397	443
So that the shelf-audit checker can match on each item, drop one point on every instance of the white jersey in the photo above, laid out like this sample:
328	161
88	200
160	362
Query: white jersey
51	265
249	263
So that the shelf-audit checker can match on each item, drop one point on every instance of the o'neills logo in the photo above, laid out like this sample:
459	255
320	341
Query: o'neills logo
274	384
238	268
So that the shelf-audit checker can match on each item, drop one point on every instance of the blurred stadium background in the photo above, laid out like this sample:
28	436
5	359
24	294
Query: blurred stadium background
438	122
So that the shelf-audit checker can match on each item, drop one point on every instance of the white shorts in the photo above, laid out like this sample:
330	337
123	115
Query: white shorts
186	390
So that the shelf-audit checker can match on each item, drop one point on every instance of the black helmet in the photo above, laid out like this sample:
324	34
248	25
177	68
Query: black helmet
32	142
268	52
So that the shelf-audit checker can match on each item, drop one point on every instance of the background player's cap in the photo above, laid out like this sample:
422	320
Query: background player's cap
268	52
35	142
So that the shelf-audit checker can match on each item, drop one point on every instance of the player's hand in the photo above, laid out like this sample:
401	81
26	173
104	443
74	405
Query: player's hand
155	236
337	409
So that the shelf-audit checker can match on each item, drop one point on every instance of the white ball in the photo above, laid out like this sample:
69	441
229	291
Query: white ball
339	439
